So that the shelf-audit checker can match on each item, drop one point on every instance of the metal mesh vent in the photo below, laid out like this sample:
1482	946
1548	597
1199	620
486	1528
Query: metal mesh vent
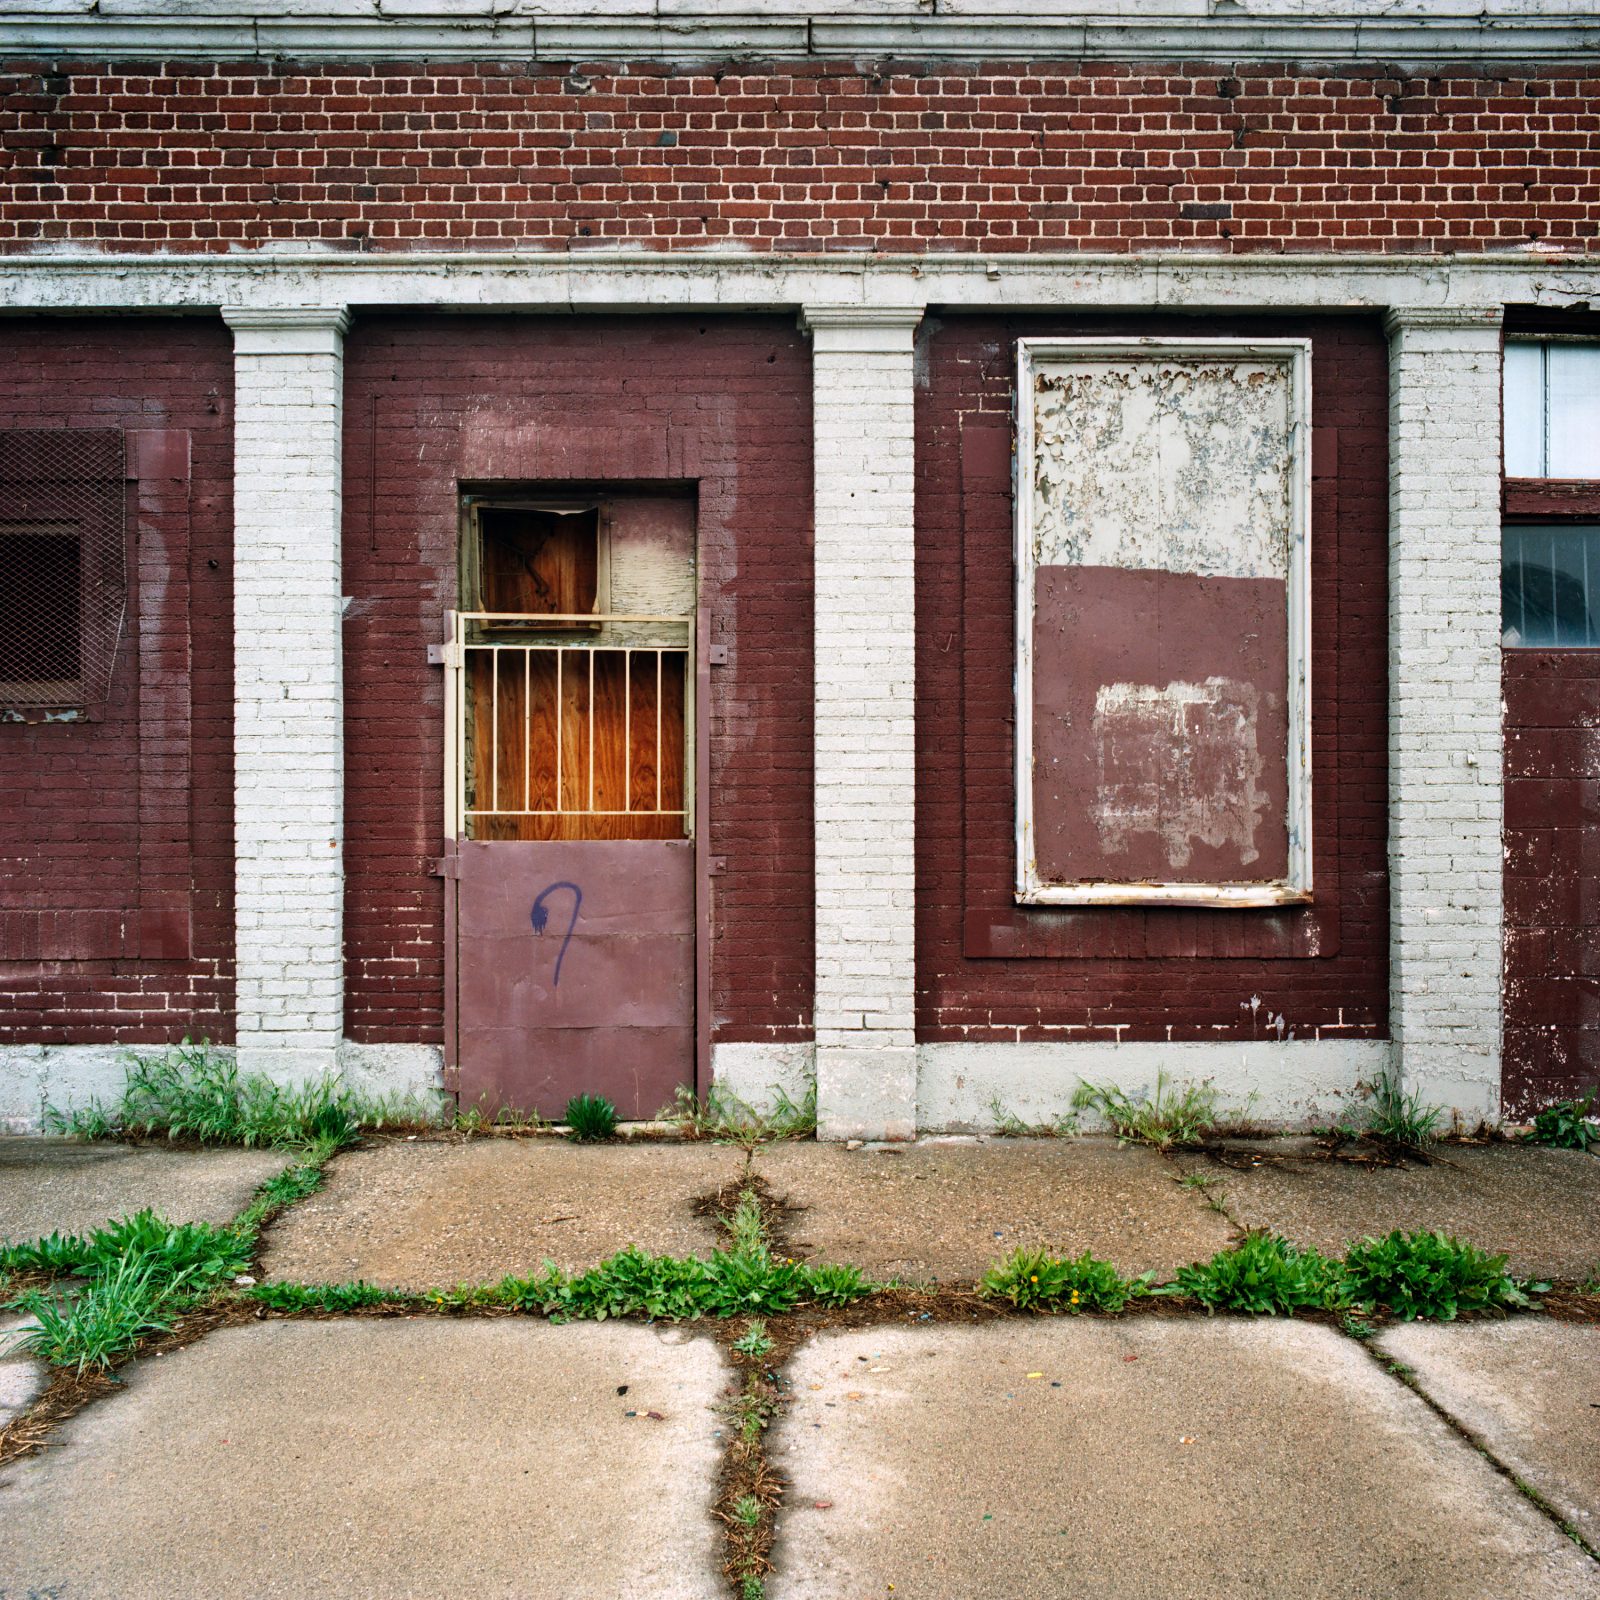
63	581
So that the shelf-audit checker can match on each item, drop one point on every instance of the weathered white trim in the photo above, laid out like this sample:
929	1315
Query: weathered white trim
288	698
756	1072
400	1071
1031	888
864	720
1291	1084
628	279
1446	801
1422	34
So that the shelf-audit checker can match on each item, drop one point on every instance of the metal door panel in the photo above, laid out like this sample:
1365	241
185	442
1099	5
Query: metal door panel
575	972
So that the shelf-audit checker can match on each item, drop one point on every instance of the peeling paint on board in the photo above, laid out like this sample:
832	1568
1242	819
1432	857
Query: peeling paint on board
1178	466
1182	762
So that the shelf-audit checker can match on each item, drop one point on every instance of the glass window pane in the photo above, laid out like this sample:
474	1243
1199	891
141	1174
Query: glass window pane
1574	375
1550	585
1524	408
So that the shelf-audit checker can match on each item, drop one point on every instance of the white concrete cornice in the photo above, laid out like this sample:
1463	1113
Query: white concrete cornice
1428	317
628	279
286	330
1421	34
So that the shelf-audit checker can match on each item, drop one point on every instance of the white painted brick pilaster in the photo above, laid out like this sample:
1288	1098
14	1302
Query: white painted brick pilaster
288	739
863	404
1445	794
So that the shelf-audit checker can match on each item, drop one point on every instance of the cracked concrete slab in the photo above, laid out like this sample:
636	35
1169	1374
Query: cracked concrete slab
1529	1391
414	1214
65	1186
945	1211
1154	1457
384	1458
22	1379
1541	1207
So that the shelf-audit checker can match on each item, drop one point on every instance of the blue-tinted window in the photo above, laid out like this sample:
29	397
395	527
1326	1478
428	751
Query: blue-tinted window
1550	585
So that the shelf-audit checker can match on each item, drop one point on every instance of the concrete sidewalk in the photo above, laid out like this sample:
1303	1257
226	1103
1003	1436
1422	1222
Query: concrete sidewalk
1156	1456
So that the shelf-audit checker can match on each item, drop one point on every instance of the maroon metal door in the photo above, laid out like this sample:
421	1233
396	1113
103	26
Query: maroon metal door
574	972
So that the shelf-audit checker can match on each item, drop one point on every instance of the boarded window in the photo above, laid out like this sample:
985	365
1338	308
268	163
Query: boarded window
63	585
1162	617
546	560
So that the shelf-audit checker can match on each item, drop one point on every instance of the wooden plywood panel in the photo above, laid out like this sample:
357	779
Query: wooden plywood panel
613	779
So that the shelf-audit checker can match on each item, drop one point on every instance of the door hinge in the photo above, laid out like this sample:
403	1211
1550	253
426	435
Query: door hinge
445	867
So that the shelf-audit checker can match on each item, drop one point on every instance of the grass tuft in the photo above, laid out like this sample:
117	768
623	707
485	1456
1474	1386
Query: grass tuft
195	1092
590	1117
132	1299
1034	1280
1400	1116
1168	1118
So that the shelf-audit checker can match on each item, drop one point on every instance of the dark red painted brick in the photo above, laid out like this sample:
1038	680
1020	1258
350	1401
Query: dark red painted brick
1133	973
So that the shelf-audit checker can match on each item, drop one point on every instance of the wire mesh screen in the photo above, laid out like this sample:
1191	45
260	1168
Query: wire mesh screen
63	578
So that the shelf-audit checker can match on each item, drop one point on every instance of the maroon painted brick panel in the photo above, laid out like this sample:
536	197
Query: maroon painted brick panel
116	835
1552	876
1003	157
722	402
987	969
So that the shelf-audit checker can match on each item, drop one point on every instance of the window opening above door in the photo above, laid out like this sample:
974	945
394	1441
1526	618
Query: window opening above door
571	720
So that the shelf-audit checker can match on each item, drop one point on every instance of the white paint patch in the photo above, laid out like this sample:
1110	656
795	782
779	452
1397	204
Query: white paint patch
755	1072
1176	464
1181	762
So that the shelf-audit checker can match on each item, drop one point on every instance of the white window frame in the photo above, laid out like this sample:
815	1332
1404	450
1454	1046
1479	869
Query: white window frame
1296	887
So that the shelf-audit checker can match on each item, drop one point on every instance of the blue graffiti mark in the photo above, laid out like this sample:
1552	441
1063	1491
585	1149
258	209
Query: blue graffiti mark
539	916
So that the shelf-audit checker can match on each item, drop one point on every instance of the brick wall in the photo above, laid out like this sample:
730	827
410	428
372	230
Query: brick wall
989	970
1552	882
209	156
116	835
723	401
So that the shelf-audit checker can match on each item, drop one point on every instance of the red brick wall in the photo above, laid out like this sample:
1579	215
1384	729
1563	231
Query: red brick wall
722	401
991	970
116	863
1552	881
206	157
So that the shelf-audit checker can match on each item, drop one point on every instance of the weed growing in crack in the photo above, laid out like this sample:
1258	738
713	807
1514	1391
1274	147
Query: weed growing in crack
1566	1124
1034	1280
754	1341
1262	1275
590	1117
1412	1275
171	1248
747	1510
1008	1125
326	1296
1169	1118
482	1118
726	1119
745	1225
1400	1116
